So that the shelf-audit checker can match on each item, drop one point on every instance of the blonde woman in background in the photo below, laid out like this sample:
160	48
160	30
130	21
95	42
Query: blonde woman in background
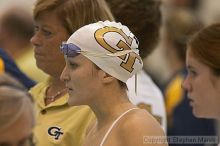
55	20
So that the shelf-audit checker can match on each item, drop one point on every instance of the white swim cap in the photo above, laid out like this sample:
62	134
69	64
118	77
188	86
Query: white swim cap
109	45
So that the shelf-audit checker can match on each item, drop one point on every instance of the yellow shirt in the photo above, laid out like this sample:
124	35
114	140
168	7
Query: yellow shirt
27	63
173	96
2	66
57	124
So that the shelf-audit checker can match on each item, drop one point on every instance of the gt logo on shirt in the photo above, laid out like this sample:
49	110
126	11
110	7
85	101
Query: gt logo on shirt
55	132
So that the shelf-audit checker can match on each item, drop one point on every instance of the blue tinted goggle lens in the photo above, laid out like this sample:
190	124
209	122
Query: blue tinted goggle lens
70	50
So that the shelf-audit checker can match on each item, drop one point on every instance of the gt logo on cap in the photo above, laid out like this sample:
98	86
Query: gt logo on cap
128	60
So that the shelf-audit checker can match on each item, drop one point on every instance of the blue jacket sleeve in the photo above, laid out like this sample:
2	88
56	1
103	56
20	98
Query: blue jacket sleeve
12	69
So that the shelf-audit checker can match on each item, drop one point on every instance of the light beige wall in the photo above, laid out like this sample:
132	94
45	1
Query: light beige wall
210	11
26	4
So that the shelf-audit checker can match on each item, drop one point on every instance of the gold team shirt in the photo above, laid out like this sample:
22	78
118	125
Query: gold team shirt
174	95
57	124
2	66
27	63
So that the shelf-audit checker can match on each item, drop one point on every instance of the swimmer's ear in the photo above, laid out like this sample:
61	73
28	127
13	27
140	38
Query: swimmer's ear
106	78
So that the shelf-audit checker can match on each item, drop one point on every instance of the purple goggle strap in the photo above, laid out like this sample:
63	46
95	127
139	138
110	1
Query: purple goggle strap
70	50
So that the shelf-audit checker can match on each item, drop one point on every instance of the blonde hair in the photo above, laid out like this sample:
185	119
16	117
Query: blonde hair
13	103
74	13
